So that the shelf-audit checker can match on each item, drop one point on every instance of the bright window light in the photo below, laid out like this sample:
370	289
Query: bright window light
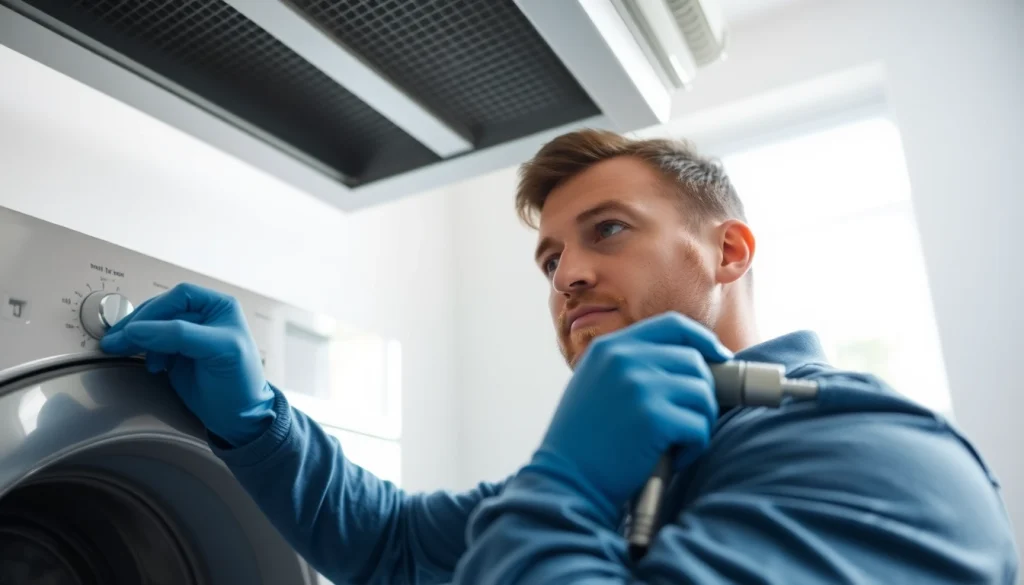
380	457
838	252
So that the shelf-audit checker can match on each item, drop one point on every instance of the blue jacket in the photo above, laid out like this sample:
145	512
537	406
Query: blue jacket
861	486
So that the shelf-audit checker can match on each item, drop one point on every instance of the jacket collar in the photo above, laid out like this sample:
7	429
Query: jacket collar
791	350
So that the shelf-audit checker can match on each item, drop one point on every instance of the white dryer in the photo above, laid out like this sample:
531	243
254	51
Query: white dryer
105	477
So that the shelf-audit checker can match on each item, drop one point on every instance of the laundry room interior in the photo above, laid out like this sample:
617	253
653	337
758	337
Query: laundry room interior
347	171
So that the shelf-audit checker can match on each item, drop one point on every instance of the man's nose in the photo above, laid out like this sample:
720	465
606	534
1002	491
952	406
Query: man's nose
574	272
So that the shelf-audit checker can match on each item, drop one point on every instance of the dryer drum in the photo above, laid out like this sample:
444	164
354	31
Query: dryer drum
83	527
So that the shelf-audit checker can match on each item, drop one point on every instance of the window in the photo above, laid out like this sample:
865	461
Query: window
838	252
380	457
344	378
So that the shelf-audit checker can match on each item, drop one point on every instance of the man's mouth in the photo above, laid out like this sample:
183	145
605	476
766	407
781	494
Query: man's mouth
587	317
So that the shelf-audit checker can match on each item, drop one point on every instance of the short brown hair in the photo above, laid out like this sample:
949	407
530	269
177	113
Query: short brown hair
702	185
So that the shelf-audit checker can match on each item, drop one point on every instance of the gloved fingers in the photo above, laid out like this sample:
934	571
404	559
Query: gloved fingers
664	389
183	298
693	394
115	342
676	329
688	429
174	337
128	318
674	359
181	372
156	362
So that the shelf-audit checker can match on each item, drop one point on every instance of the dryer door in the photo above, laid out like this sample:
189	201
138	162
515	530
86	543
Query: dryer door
106	478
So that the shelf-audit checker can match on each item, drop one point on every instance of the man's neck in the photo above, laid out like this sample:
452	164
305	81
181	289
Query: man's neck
737	327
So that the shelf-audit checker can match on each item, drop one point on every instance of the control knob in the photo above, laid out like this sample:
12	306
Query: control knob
101	310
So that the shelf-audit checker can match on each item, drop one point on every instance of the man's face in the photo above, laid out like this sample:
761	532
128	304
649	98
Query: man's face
617	248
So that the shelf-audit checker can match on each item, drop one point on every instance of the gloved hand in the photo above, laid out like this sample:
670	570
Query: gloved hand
201	339
634	393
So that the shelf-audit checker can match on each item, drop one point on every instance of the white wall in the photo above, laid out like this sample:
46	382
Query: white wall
510	373
74	157
952	74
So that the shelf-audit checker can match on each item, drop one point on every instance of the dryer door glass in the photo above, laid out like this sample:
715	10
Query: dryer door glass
84	526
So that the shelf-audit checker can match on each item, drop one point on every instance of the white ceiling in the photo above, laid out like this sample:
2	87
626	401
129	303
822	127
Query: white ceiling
737	10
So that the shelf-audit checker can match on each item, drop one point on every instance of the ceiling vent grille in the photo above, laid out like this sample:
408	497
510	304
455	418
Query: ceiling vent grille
479	65
209	53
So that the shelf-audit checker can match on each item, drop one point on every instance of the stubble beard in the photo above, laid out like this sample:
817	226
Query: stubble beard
574	345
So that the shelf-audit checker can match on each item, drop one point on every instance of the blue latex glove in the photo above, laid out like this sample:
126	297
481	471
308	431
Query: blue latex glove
201	339
634	393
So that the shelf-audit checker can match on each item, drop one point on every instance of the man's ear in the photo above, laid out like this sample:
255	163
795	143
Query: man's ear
736	243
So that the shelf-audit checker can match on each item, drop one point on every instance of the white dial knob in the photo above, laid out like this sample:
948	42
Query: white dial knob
101	310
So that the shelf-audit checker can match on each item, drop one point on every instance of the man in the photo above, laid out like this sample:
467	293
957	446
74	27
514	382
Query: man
648	255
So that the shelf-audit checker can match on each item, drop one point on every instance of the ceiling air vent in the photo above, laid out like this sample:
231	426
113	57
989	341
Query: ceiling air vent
477	64
679	36
359	102
210	54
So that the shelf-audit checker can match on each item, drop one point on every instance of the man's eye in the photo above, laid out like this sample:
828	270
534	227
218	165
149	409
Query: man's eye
550	265
607	229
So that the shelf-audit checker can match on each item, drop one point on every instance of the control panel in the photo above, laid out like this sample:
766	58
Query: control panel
61	290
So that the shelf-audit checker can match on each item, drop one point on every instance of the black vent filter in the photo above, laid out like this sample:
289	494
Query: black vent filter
210	49
477	64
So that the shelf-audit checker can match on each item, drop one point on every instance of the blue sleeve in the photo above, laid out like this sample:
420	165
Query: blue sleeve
859	491
348	524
